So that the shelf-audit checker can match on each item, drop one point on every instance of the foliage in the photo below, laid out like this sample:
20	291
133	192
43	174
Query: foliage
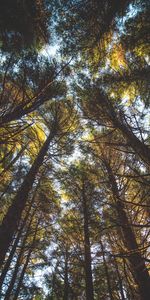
75	154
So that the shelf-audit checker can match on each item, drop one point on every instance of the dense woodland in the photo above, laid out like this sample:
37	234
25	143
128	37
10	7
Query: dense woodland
74	150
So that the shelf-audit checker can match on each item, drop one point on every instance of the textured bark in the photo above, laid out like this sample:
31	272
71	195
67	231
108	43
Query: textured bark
87	250
12	218
136	260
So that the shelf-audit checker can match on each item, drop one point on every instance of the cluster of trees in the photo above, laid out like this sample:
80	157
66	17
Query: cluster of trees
75	153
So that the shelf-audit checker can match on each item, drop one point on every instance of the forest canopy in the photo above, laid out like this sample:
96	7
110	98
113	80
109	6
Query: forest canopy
75	150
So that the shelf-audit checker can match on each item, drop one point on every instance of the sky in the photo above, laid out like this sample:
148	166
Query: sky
52	52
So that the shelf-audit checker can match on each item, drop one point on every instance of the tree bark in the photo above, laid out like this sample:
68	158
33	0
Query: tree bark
26	263
19	233
107	273
136	260
87	250
17	265
120	283
12	218
66	282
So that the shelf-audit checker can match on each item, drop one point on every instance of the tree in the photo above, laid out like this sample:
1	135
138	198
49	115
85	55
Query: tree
108	156
9	224
23	24
75	156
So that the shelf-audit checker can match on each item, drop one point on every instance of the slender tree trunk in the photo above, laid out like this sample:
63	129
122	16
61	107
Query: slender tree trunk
107	273
136	260
9	260
12	218
119	280
17	265
87	250
12	252
130	292
66	282
54	280
26	263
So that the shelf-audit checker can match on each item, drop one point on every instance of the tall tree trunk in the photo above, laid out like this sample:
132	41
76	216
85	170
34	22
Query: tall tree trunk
66	282
19	233
131	292
17	265
21	277
107	273
120	283
87	250
136	260
12	218
11	254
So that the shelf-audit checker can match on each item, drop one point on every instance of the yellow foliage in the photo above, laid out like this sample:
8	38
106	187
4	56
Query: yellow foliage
126	92
100	50
37	138
88	137
117	57
129	94
142	51
64	196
